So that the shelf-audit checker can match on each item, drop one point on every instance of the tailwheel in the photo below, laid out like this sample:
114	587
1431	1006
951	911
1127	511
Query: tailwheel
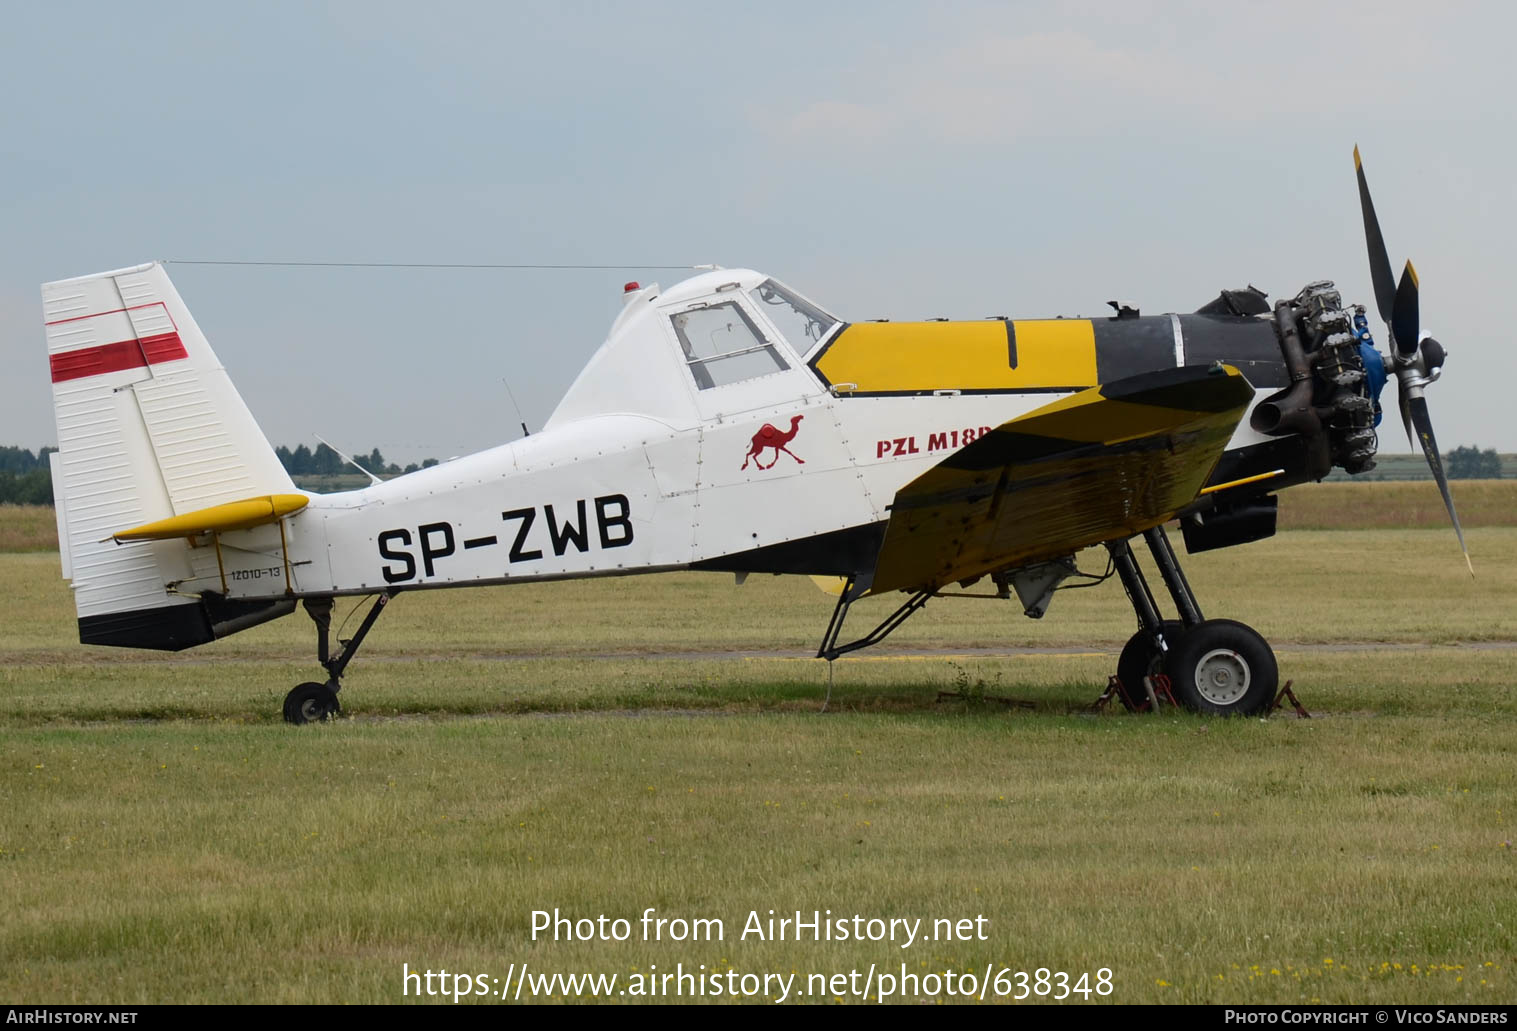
311	703
1140	658
1221	667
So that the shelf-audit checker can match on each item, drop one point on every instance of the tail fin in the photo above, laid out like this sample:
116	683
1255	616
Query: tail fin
149	426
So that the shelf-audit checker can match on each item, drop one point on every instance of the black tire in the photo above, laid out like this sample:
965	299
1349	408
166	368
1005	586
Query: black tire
1140	659
310	703
1223	668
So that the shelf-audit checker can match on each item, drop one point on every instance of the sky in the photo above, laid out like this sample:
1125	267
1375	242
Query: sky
890	160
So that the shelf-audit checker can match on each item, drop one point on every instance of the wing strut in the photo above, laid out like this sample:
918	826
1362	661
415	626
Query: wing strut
830	649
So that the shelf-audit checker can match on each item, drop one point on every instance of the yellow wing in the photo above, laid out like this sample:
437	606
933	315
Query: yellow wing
1101	464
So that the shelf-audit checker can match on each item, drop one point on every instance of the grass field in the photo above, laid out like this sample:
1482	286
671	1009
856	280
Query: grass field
1396	505
598	747
27	528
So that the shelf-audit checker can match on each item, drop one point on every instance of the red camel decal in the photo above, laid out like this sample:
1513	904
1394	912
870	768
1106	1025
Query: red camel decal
768	437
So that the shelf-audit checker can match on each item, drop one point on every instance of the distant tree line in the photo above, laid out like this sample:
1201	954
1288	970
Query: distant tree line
325	462
1470	463
25	478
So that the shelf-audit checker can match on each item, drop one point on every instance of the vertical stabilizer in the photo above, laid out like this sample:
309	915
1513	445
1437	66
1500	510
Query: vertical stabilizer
149	426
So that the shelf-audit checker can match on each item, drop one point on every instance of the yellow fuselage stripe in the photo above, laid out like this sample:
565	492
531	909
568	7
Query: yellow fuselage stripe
911	357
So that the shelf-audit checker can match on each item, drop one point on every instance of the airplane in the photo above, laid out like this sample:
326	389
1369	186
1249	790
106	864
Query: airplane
729	424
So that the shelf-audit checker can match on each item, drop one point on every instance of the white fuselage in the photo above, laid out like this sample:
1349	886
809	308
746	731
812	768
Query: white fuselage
609	495
676	474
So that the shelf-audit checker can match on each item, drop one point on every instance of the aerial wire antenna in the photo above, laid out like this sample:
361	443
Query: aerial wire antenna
423	264
524	431
348	459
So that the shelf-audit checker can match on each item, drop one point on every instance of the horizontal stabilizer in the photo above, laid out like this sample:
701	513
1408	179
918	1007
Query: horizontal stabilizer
234	515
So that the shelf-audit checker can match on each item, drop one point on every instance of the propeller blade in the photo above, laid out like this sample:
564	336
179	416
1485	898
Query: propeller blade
1406	414
1380	262
1404	315
1424	423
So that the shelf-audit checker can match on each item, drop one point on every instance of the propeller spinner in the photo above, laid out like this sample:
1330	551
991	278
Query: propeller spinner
1416	362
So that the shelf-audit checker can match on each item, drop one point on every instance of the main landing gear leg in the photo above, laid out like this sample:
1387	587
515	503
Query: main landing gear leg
312	701
1215	666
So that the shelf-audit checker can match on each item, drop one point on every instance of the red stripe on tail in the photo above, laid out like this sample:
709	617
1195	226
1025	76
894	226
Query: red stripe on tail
127	354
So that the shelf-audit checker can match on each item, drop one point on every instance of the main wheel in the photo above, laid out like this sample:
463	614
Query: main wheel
310	703
1141	659
1223	668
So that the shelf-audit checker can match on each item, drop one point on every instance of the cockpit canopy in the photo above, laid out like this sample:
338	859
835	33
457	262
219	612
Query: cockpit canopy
722	342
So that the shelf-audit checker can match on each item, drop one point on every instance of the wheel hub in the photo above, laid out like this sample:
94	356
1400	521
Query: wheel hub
1222	676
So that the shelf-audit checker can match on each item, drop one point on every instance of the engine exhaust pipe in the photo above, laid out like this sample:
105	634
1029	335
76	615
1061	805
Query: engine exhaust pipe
1291	410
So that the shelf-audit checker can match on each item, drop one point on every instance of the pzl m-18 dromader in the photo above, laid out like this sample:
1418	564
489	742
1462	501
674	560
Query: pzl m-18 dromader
730	424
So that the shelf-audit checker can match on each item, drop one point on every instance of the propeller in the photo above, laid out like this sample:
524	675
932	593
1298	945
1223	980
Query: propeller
1416	361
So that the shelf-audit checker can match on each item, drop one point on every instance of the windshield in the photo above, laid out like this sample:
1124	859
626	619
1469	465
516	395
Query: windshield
802	323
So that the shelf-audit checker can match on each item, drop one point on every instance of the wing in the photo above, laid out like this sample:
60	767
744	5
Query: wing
1101	464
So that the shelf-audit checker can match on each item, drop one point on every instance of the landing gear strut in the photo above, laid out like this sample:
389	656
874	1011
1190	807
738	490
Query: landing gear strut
312	702
1215	666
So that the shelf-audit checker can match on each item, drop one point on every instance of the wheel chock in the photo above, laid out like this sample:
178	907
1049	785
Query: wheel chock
1286	692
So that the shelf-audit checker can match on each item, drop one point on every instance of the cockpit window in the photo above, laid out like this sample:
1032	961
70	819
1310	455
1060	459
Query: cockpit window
803	323
722	346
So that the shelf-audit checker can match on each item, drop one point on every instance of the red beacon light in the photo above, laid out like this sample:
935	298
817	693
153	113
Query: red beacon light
632	287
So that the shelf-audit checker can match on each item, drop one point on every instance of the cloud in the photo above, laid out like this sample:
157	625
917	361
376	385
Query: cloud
1165	67
830	119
